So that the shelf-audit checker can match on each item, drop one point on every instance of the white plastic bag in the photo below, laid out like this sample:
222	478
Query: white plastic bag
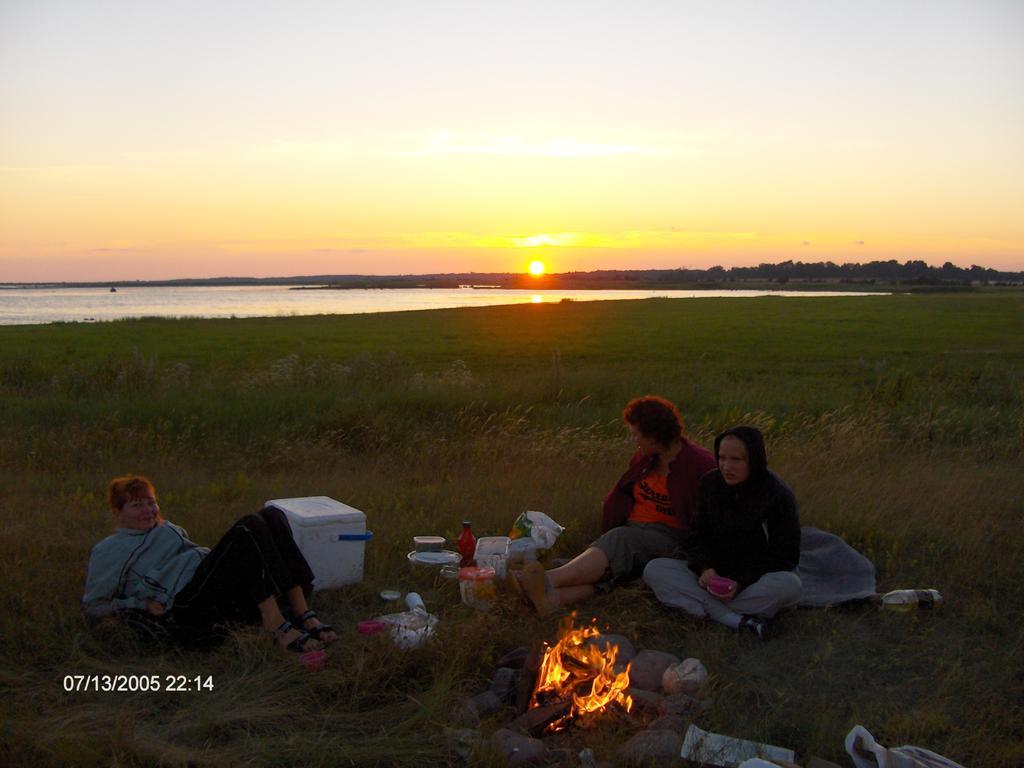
538	527
868	753
412	628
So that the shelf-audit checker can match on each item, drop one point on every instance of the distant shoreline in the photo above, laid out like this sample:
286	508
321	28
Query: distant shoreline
753	285
788	275
550	285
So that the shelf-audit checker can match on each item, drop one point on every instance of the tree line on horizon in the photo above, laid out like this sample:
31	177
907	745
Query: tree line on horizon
892	271
875	271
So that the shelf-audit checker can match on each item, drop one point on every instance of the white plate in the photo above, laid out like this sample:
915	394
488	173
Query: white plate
444	557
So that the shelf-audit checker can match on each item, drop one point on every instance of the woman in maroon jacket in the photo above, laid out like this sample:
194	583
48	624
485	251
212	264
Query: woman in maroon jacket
644	516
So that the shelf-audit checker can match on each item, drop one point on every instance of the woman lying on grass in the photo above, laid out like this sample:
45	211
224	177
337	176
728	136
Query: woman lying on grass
149	564
644	515
743	546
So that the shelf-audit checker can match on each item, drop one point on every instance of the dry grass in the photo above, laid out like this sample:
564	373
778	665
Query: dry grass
916	462
950	681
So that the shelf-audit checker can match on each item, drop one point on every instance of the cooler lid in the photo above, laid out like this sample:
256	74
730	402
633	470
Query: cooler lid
318	510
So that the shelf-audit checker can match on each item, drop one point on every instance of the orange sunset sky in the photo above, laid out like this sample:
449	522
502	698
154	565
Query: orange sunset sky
144	140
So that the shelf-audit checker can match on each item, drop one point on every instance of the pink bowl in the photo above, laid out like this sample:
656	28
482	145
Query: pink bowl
720	585
313	661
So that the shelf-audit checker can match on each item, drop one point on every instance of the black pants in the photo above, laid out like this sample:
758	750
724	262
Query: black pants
257	558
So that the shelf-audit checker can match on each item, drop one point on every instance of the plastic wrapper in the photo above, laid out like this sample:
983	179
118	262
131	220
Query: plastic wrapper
410	629
868	753
538	527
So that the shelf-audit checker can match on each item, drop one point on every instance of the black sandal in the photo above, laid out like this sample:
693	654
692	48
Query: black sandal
317	630
298	645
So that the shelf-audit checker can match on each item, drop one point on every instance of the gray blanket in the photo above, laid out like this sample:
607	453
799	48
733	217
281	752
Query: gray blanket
832	571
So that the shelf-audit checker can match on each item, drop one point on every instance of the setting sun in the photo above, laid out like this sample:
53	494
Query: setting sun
536	267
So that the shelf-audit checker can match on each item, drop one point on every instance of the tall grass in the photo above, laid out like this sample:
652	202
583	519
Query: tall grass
897	421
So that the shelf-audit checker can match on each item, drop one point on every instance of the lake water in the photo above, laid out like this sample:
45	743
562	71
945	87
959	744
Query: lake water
30	306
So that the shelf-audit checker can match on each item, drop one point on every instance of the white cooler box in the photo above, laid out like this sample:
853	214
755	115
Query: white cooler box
331	536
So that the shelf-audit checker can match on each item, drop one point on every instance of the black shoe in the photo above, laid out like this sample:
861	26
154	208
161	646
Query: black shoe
756	625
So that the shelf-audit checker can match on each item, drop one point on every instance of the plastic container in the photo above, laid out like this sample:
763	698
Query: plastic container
433	568
522	550
467	544
476	585
428	543
450	571
492	552
720	585
433	559
414	602
911	599
313	661
331	536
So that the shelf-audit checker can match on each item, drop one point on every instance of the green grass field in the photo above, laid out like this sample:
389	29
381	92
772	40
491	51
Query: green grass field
897	420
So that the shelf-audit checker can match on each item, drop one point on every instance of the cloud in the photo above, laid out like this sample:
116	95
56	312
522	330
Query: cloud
561	238
514	146
500	144
301	148
368	241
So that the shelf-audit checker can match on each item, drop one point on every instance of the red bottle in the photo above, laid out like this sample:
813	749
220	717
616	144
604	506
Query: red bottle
467	544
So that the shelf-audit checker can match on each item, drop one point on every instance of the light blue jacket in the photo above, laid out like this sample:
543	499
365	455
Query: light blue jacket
130	567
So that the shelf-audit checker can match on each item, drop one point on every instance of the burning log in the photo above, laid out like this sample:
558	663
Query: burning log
580	677
537	720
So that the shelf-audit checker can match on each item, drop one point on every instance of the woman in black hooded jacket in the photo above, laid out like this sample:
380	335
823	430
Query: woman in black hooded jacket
747	530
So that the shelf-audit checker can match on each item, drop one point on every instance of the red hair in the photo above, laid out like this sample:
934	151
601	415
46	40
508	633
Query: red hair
656	418
128	488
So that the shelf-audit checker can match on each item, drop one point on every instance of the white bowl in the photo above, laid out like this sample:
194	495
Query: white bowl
444	557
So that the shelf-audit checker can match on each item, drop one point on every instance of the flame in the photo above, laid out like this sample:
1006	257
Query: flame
573	668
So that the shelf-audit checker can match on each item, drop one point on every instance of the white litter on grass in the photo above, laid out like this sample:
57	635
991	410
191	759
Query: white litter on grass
726	752
410	629
868	753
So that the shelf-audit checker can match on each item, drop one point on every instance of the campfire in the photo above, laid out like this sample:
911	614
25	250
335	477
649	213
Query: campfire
577	679
548	694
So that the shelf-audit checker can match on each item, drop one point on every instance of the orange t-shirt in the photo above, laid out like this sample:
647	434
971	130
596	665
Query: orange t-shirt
651	503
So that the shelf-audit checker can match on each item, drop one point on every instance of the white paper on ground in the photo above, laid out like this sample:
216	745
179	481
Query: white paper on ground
715	749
